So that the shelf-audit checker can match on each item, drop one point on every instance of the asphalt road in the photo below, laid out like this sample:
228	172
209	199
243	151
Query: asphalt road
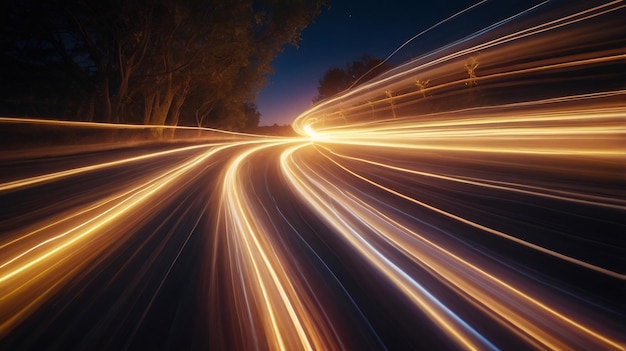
245	245
472	198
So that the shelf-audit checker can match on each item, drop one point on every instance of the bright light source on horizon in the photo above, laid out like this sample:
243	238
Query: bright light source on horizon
311	133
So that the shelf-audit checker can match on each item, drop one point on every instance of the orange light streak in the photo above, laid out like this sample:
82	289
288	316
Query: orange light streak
426	190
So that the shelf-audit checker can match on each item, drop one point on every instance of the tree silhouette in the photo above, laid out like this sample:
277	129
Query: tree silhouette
151	61
336	79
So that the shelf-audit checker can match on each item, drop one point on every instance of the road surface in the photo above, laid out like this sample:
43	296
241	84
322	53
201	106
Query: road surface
469	199
289	242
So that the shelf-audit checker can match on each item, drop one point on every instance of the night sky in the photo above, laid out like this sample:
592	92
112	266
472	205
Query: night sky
471	198
349	29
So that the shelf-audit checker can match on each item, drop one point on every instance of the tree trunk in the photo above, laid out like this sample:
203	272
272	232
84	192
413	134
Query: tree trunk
179	100
107	100
147	108
161	106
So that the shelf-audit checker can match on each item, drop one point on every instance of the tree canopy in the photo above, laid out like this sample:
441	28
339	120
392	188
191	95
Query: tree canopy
336	79
192	62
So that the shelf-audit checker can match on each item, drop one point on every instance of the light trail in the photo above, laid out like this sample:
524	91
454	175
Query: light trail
472	198
281	297
25	270
121	126
70	172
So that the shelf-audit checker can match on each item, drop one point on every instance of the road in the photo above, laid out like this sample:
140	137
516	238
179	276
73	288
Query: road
468	200
293	243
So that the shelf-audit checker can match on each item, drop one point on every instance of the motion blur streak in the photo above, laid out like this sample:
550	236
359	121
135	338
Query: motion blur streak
471	198
487	229
70	172
33	266
482	129
269	285
439	313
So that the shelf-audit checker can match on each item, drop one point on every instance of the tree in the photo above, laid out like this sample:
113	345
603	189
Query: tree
336	79
151	61
36	56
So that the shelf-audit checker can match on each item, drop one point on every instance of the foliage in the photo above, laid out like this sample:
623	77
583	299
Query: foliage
195	62
336	79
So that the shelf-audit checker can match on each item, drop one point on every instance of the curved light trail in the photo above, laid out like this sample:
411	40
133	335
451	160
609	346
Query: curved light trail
472	198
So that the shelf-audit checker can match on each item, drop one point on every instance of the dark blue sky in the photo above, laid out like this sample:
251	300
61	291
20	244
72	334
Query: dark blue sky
346	31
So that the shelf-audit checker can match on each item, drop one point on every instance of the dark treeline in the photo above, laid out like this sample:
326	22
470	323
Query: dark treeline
337	79
164	62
